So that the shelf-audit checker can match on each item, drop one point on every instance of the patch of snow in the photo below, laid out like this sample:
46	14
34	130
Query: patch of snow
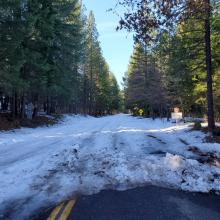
44	166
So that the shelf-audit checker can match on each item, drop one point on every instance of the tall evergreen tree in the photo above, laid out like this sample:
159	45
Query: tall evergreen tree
50	55
148	17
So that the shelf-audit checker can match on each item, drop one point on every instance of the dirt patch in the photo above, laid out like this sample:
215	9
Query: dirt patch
159	153
184	142
215	138
39	121
211	158
212	139
156	138
9	123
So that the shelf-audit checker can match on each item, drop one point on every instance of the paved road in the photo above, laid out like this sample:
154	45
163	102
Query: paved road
148	203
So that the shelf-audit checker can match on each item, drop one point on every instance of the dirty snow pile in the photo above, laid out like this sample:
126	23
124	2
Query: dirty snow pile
43	166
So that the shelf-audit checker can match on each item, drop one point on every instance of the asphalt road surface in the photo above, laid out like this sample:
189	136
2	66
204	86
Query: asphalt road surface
148	203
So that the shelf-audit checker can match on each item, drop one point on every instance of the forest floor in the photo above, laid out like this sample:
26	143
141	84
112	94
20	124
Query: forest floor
84	155
9	123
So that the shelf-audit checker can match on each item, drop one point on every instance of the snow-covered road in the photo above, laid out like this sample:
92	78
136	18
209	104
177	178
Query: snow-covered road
43	166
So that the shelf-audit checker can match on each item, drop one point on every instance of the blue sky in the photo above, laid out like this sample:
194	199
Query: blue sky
116	45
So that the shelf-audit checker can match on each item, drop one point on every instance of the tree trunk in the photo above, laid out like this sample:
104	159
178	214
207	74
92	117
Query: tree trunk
14	106
48	105
23	102
208	54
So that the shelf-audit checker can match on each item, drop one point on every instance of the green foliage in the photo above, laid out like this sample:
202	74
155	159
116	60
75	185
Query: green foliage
50	55
102	91
172	71
144	88
197	125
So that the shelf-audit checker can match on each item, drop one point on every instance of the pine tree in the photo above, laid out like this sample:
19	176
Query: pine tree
150	17
50	55
144	88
